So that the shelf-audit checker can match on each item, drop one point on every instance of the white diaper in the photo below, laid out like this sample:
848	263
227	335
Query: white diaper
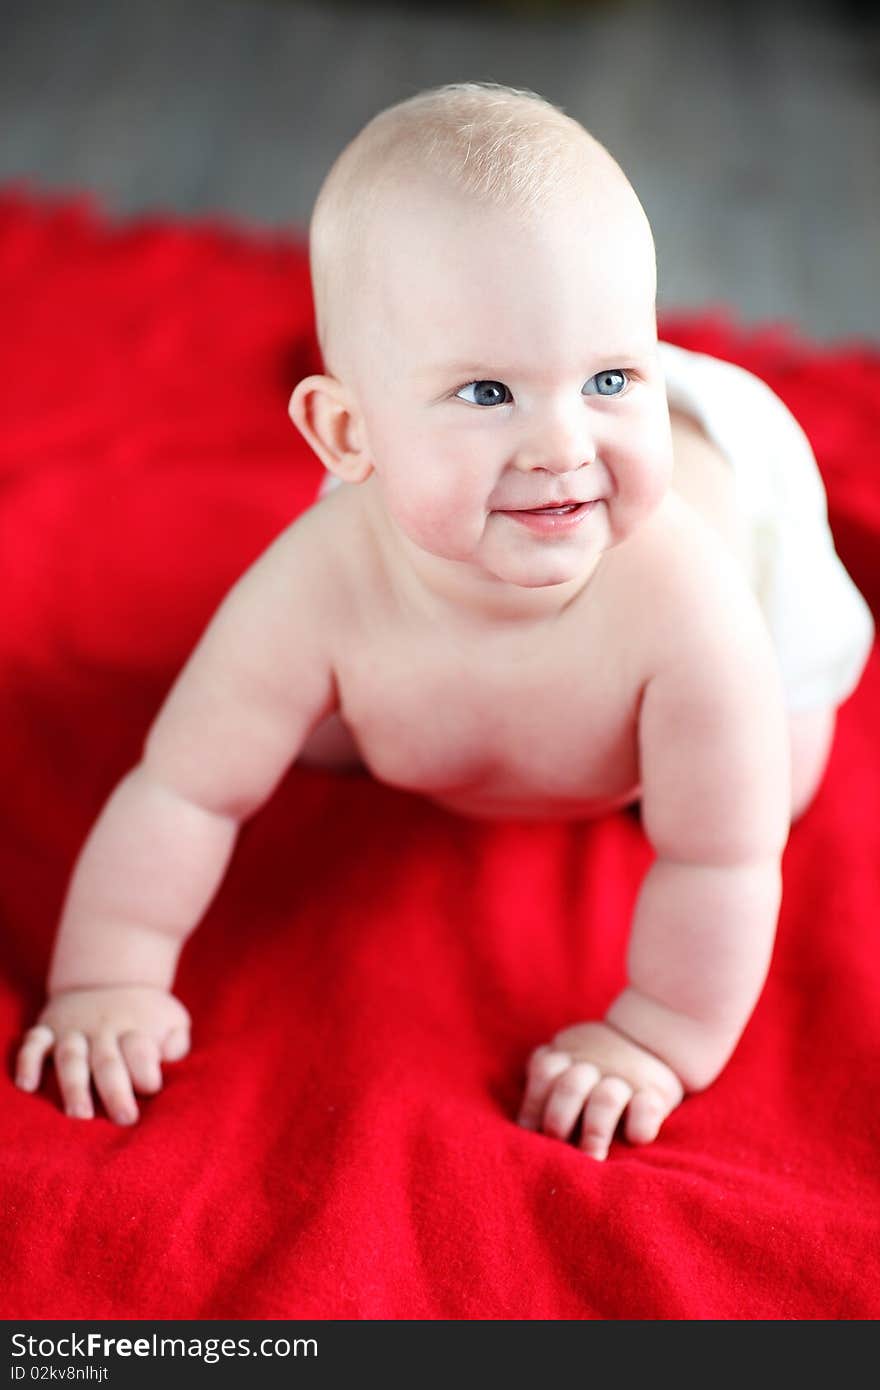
821	626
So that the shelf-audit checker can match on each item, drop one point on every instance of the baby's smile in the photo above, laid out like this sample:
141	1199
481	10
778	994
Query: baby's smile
557	520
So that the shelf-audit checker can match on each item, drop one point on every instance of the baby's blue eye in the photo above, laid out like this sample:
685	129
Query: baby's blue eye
605	384
485	393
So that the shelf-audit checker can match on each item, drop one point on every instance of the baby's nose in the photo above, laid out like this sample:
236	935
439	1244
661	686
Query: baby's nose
558	450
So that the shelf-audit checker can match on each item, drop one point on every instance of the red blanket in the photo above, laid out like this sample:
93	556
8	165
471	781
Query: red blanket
374	972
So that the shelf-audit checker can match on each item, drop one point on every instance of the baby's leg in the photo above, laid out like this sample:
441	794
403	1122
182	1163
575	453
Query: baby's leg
811	735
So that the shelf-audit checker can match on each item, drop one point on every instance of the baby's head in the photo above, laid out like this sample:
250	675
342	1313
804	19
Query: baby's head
484	281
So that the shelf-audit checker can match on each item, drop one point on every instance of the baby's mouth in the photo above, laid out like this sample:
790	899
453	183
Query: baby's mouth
557	518
562	507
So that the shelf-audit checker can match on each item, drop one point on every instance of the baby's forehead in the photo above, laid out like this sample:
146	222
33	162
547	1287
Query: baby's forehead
428	234
427	237
395	236
465	260
403	195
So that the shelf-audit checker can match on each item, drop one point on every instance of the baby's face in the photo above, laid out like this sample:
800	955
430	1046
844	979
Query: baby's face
508	367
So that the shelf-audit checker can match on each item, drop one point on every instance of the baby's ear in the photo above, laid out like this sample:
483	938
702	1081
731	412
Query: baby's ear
325	414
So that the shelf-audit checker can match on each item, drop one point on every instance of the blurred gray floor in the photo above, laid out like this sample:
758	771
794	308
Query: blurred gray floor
750	130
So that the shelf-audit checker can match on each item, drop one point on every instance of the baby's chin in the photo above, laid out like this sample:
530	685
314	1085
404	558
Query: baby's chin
544	576
539	565
504	558
542	568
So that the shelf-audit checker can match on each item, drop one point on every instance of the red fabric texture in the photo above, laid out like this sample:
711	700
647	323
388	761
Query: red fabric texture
374	971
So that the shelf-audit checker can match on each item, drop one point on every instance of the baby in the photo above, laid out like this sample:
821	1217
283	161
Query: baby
565	569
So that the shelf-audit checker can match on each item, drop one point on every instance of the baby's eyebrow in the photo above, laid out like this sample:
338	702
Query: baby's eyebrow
456	369
480	371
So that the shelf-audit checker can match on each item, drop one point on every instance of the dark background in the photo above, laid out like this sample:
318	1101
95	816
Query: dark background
751	130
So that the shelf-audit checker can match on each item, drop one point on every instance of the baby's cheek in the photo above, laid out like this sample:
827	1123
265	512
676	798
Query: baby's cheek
655	480
642	483
434	520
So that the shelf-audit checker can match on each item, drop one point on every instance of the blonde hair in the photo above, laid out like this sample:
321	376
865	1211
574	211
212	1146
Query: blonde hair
503	146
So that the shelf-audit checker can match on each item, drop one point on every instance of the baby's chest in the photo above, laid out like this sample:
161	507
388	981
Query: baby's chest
511	722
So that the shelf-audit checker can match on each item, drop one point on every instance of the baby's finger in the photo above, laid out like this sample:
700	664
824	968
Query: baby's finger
602	1115
72	1070
112	1080
647	1111
32	1054
567	1097
141	1055
175	1045
544	1065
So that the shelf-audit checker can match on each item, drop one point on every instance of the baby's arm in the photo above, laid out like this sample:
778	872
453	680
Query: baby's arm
716	795
257	683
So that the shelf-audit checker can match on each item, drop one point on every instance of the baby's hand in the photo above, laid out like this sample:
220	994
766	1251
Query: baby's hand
593	1070
117	1036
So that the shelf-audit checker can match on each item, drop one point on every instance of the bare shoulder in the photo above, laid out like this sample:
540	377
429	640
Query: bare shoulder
305	572
261	677
276	635
326	578
687	596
